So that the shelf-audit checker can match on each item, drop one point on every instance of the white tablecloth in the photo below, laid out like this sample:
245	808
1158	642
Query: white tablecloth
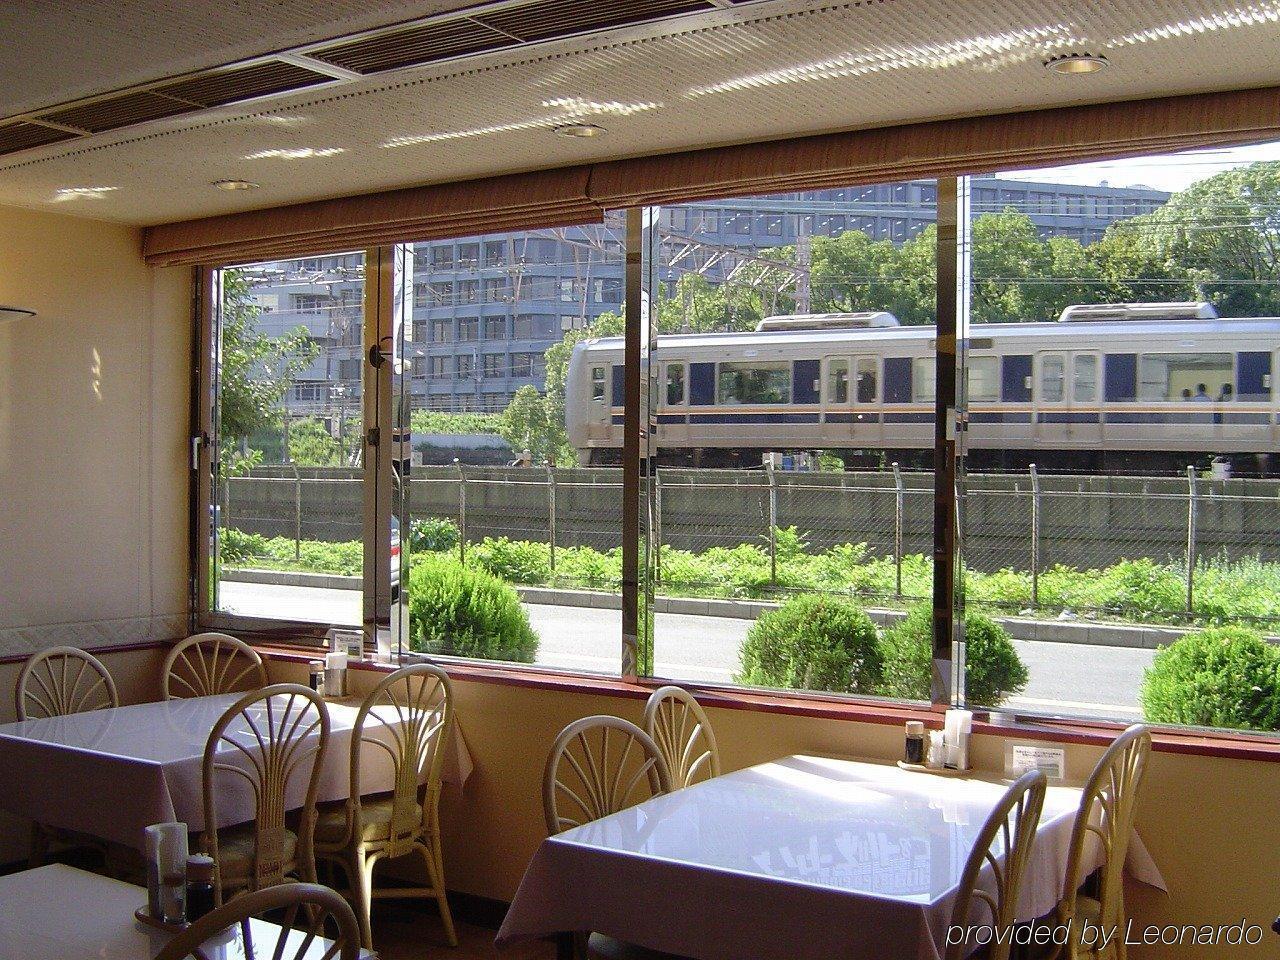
109	773
60	913
806	857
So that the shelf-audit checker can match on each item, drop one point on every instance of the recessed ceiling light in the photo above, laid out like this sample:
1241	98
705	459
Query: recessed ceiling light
581	131
1077	63
295	153
235	185
81	193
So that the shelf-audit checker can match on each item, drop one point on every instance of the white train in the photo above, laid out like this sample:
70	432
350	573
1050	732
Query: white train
1106	387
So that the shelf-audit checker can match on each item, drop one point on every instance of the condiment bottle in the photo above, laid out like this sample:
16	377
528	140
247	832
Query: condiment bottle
200	898
915	742
317	676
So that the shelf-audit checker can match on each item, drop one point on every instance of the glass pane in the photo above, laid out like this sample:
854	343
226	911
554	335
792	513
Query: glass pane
1085	388
984	379
288	528
515	508
1145	294
791	503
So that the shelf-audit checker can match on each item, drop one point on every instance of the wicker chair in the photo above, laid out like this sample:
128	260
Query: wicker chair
63	680
310	914
54	683
1108	806
211	663
409	715
277	732
1014	820
598	766
679	726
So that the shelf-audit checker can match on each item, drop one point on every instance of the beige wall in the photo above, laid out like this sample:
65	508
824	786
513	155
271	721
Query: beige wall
1212	825
93	427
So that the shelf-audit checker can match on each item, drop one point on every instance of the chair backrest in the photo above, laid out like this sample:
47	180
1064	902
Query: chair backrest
210	663
1108	805
598	766
311	913
63	680
409	715
266	739
993	877
679	726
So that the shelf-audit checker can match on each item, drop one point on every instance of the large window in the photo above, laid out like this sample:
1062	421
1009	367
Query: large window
1130	500
284	455
766	443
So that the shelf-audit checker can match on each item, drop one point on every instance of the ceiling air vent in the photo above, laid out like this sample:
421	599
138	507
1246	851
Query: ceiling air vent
562	18
24	136
404	48
244	83
121	111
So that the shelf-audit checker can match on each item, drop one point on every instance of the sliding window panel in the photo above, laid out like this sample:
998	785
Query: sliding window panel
281	445
790	496
1122	488
513	395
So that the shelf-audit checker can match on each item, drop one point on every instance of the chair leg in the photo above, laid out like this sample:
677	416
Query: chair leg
39	846
359	869
435	872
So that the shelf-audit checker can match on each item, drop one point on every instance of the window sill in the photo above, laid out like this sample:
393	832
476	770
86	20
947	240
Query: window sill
1098	733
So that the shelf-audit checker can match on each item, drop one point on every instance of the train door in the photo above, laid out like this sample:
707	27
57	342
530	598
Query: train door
866	400
1067	399
837	397
673	404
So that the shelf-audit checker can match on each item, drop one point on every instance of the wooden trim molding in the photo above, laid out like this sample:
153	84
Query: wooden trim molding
580	194
1099	733
99	651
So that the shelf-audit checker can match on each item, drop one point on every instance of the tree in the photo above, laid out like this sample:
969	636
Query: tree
527	424
254	374
1223	234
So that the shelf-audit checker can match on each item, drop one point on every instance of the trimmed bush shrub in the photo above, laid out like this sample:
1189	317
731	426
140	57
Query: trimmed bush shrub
993	669
432	534
467	613
1222	677
813	642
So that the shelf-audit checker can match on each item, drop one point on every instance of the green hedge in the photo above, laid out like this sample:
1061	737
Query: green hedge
467	613
993	670
1222	677
813	642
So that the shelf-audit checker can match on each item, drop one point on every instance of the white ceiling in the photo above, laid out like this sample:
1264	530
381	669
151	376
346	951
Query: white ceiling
757	72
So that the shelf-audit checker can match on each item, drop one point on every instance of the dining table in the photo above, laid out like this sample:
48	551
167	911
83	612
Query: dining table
57	912
803	857
110	773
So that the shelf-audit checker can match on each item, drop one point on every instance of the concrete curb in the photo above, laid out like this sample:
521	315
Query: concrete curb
1084	632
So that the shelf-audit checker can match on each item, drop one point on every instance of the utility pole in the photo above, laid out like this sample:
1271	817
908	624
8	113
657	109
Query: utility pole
804	259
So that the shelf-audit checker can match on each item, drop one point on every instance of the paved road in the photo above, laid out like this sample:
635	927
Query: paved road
1067	677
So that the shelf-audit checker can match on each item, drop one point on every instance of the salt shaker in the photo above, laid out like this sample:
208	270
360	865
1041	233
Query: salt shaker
915	742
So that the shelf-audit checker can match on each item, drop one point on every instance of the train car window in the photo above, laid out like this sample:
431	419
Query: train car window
868	384
924	374
597	383
837	381
619	391
1084	378
897	379
1193	377
1015	383
675	384
1120	374
1052	377
1253	376
758	382
984	379
806	380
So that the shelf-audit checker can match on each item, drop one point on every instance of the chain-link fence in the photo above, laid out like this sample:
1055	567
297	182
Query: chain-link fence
1023	531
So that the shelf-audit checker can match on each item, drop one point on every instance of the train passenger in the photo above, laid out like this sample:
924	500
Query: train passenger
1202	394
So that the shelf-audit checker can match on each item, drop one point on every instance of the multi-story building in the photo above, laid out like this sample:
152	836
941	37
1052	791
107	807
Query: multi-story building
487	308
